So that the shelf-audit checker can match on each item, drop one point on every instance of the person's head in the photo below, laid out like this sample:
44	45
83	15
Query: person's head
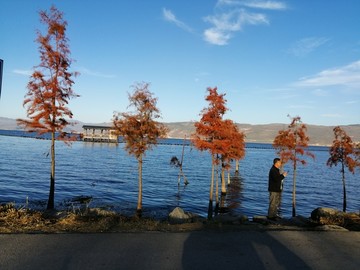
277	162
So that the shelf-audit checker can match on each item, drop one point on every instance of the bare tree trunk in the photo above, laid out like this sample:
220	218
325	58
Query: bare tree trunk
181	163
344	186
217	190
51	200
228	178
236	166
210	208
139	204
294	192
223	185
181	173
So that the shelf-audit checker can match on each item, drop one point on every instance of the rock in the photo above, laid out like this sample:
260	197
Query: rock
327	215
230	219
300	221
179	216
260	219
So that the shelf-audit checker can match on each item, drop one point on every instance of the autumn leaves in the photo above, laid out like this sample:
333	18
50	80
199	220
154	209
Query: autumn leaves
50	89
221	138
140	129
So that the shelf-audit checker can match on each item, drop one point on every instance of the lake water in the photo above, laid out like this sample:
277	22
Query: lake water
109	175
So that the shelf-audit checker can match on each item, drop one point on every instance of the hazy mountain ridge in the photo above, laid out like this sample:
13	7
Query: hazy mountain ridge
319	135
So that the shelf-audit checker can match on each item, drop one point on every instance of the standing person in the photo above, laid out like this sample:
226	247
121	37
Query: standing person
275	188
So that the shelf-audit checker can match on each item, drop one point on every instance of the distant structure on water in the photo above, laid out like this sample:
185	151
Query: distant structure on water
99	134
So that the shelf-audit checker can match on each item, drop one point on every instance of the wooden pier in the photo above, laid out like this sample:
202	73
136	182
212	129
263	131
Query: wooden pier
99	134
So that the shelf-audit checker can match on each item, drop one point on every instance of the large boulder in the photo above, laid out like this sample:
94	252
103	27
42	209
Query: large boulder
325	215
179	216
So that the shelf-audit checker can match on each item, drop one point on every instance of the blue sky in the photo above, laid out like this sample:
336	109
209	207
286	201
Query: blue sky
271	58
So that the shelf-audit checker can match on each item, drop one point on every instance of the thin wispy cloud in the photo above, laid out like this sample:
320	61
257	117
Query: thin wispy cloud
226	24
348	75
230	17
331	115
85	71
234	16
279	90
305	46
271	5
352	102
200	76
320	93
301	106
170	17
23	72
283	97
226	2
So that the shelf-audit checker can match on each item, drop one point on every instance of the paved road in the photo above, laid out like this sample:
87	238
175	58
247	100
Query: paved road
190	250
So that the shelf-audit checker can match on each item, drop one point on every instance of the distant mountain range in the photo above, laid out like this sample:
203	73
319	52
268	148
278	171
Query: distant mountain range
319	135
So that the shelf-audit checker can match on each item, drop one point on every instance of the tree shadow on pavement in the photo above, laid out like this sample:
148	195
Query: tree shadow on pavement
238	250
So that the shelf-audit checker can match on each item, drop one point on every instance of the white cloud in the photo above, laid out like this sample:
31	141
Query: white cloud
225	24
234	16
170	17
348	75
320	93
227	2
231	17
216	36
88	72
83	71
284	97
352	102
305	46
23	72
271	5
201	76
281	90
301	106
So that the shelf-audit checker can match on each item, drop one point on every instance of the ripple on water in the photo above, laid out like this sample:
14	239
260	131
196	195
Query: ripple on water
107	174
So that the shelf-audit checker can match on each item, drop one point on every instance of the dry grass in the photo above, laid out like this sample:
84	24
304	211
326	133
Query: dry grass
350	221
13	220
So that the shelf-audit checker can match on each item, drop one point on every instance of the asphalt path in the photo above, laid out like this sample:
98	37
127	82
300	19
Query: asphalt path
184	250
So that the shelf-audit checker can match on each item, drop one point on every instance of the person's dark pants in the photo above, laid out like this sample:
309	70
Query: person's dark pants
274	202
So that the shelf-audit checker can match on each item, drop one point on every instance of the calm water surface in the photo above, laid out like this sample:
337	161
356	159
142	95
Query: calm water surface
109	175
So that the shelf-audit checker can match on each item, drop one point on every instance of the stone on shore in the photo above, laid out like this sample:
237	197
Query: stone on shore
231	219
325	215
179	216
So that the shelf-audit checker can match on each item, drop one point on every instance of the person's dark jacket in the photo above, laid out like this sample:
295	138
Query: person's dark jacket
275	179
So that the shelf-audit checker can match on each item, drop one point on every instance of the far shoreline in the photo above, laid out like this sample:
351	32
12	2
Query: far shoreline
33	135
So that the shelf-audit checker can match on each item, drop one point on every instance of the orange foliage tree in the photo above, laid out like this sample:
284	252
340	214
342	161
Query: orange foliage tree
230	145
50	87
290	145
213	134
345	152
140	129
